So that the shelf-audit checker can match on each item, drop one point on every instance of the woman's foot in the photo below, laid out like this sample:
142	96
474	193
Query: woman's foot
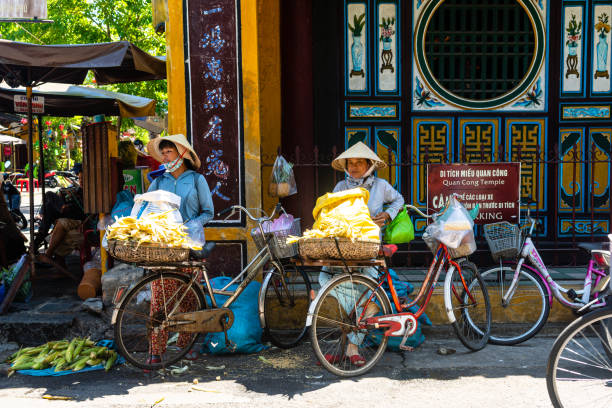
152	360
371	310
192	355
352	353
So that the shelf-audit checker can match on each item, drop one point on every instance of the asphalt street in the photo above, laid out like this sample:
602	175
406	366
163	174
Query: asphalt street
497	376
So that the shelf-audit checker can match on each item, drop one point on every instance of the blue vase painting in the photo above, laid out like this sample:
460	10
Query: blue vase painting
602	54
357	53
357	48
602	28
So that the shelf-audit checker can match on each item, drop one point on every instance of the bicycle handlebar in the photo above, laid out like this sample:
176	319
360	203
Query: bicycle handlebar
235	208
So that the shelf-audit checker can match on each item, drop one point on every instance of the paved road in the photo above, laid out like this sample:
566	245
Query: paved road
500	377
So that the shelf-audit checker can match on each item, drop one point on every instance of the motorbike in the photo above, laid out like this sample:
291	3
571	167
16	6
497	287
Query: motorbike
51	179
13	201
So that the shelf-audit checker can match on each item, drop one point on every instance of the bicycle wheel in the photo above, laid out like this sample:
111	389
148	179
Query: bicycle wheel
579	370
470	306
285	306
335	328
140	325
525	313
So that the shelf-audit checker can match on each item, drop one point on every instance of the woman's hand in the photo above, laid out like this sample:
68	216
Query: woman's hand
381	219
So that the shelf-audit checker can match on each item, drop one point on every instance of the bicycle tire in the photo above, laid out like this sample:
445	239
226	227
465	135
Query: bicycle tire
473	324
583	353
134	311
285	307
333	327
531	290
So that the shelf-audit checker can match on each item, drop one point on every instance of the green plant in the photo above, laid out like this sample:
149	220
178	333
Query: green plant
602	26
573	31
387	28
358	23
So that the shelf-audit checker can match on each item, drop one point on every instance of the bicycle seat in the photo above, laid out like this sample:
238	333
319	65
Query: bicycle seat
590	246
202	253
388	250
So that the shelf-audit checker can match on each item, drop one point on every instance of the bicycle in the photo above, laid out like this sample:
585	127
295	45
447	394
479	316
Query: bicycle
517	284
579	369
143	315
339	314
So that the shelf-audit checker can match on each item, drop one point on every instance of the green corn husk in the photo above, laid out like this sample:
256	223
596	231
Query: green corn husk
70	351
25	365
52	356
80	362
62	345
59	364
79	347
94	361
111	360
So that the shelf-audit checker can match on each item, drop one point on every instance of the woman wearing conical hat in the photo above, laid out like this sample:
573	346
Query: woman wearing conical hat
359	164
180	163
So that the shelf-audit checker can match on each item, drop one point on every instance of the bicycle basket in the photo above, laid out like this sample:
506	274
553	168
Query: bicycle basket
278	242
503	239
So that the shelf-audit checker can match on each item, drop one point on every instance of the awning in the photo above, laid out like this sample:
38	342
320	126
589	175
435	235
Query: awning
4	139
74	100
25	63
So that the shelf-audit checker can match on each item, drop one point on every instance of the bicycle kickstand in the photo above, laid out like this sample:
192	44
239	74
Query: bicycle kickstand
230	345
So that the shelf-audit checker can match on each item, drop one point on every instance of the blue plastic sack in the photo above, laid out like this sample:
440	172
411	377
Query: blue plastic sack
403	289
246	331
123	205
1	292
49	372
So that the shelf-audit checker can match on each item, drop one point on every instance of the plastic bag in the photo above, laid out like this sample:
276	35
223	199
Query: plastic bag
123	205
282	180
452	225
195	232
400	230
155	202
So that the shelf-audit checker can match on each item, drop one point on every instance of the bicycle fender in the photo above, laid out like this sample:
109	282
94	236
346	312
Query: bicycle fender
316	300
262	298
448	305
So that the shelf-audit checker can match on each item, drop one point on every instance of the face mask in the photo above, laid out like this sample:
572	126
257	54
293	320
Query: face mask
175	164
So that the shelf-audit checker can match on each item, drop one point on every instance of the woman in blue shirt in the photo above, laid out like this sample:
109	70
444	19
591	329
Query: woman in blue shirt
180	177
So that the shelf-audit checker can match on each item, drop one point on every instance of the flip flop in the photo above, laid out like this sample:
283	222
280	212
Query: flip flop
357	360
192	355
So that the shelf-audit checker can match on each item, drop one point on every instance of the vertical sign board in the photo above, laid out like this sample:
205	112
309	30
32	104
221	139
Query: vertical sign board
214	112
495	187
23	9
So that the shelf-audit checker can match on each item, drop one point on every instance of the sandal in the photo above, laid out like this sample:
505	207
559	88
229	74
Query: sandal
152	360
192	355
357	360
331	358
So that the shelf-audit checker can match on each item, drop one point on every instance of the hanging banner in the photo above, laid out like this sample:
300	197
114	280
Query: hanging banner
215	108
23	9
495	187
21	104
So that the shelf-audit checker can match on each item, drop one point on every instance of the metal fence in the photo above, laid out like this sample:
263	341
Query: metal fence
568	180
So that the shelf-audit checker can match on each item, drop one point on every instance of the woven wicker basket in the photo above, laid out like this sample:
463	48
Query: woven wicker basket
325	248
131	252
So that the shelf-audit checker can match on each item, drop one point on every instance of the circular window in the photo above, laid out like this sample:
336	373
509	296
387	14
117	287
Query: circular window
479	54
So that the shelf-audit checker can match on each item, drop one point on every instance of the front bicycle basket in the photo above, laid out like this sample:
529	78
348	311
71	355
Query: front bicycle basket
278	242
503	239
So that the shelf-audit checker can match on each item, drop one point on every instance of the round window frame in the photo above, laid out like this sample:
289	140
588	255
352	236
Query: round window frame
533	72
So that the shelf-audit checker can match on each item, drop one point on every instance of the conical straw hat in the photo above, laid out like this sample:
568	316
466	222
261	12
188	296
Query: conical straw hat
358	151
181	143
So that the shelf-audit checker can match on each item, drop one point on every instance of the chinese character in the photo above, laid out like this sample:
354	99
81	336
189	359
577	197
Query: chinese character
211	11
217	166
214	131
215	192
213	39
214	69
215	99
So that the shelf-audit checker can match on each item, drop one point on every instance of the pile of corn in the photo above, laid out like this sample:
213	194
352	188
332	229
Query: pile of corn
63	355
152	228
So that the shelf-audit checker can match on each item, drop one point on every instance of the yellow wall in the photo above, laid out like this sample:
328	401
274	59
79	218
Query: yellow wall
260	93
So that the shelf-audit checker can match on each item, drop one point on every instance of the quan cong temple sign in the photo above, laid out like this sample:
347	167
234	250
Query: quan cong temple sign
495	187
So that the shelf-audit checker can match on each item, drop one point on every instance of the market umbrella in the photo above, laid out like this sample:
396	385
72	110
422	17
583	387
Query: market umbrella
4	139
29	65
71	100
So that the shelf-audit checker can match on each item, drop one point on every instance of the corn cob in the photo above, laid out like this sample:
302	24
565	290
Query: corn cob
70	351
110	361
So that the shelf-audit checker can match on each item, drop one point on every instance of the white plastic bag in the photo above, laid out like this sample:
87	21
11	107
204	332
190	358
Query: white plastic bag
195	232
282	179
155	202
452	226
